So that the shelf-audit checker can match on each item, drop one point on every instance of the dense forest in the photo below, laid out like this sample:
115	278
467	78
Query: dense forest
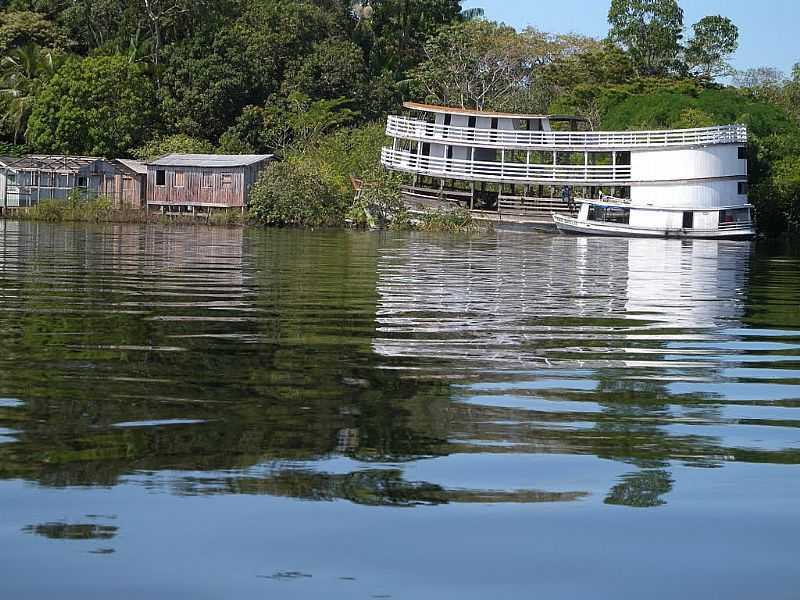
312	80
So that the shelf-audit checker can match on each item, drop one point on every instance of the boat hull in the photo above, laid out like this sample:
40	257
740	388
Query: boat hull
575	227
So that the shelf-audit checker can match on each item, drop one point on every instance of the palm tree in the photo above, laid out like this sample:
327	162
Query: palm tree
23	73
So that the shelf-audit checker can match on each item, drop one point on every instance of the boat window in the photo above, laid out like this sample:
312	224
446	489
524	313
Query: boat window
742	152
735	215
688	220
609	214
541	158
623	158
516	156
600	158
570	158
621	192
743	188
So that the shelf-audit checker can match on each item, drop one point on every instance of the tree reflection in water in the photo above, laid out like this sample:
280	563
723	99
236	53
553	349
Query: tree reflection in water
254	358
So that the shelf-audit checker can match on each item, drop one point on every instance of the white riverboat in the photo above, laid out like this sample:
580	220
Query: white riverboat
552	170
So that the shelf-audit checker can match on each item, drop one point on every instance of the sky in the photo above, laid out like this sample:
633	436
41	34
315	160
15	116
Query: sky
768	29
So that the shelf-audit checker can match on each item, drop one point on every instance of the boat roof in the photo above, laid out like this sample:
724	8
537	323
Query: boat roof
485	113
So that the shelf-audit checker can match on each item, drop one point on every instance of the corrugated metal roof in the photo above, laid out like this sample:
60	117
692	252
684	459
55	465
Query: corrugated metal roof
57	163
209	160
133	165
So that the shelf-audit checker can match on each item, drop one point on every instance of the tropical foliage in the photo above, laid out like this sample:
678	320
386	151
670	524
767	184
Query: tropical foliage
312	81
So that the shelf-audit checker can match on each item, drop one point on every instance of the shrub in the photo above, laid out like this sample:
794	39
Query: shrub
379	201
72	209
294	193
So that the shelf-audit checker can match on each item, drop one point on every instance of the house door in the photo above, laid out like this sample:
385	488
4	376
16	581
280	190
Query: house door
688	220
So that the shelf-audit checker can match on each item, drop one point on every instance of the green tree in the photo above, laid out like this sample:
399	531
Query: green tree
207	83
292	119
650	31
23	73
791	93
168	144
98	106
334	68
715	39
25	28
474	64
393	33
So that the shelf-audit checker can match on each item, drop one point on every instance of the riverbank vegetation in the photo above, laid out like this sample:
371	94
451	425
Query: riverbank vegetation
313	81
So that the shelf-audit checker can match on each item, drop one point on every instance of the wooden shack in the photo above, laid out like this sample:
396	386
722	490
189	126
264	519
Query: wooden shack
34	178
127	184
202	182
6	172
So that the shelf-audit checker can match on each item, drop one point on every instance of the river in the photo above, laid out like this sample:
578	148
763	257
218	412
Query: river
227	413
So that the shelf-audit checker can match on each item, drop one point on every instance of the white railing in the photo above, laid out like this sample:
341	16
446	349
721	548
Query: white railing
736	226
401	160
414	129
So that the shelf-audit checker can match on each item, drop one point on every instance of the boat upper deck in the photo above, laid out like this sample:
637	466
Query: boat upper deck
426	132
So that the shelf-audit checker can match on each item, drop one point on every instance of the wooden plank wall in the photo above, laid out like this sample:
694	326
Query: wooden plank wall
126	191
193	193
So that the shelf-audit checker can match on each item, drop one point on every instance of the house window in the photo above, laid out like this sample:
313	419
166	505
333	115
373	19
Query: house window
35	178
161	177
180	179
208	179
227	180
46	179
126	184
742	152
82	182
12	179
743	188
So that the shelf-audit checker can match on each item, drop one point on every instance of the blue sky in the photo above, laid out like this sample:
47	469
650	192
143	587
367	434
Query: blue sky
768	29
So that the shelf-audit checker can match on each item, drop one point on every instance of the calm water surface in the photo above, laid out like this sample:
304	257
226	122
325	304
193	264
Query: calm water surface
214	413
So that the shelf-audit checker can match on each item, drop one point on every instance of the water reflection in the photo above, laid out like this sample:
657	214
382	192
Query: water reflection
576	346
396	370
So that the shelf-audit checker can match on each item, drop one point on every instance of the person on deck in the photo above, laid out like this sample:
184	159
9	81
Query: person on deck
566	196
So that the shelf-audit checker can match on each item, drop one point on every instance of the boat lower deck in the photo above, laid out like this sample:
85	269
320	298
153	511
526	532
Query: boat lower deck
501	210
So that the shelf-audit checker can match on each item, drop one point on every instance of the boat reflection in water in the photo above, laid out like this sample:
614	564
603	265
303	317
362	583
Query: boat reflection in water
569	347
392	370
